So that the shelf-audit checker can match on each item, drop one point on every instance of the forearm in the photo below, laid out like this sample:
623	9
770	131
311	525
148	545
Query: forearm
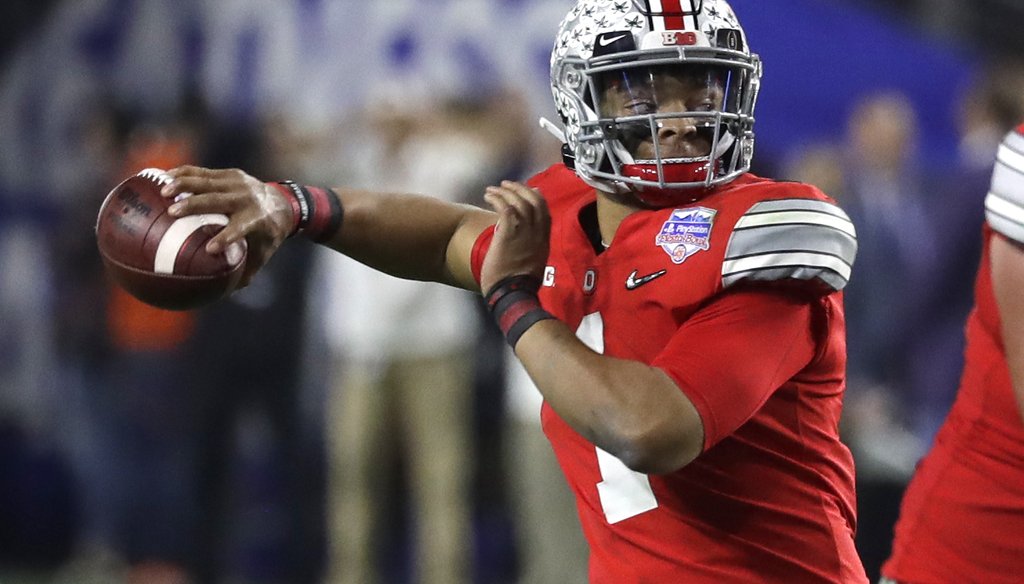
410	236
627	408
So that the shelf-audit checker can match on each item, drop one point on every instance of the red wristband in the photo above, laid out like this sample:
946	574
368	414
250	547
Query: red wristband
318	212
514	304
294	201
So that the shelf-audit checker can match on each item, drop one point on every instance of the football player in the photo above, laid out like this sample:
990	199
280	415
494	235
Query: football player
963	511
682	317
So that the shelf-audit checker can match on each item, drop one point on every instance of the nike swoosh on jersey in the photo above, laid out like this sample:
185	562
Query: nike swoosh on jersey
632	282
605	42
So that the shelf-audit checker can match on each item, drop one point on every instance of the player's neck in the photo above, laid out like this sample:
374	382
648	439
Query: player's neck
611	211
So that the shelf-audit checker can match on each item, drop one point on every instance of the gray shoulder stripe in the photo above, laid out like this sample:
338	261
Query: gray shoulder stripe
787	253
1004	167
801	239
796	205
1008	180
1007	158
1015	142
793	237
1004	205
1005	217
831	279
797	217
782	266
1008	185
800	259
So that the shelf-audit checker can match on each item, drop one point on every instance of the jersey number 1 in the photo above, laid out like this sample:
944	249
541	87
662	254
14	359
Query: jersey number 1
624	493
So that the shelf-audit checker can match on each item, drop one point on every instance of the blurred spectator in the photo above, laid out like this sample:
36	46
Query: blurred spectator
259	451
990	107
884	193
192	467
141	416
404	379
816	164
85	347
549	537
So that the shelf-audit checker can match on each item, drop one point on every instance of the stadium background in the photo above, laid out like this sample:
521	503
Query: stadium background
314	63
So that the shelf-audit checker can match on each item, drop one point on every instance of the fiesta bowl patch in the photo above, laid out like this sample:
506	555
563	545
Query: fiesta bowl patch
686	232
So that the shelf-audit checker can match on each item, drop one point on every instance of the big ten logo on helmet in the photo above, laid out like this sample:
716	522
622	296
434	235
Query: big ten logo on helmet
677	38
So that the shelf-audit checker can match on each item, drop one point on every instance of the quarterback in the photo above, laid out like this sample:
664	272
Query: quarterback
963	512
682	317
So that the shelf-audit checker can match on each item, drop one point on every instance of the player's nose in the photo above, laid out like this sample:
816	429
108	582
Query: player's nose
675	129
677	135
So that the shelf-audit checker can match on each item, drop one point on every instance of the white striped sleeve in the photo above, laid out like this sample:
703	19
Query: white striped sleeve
801	239
1004	205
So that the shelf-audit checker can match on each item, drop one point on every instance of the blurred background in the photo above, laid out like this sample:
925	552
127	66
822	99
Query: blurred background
312	428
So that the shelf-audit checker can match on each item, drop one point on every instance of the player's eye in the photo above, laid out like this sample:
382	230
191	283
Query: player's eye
640	107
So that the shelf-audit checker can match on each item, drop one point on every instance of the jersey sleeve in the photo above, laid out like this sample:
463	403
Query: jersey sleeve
1004	205
730	356
791	239
480	247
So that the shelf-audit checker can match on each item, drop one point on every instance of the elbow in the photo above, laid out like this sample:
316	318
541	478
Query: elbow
659	451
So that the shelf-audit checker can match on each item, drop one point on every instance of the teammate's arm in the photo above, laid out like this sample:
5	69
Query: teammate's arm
1007	259
408	236
1003	211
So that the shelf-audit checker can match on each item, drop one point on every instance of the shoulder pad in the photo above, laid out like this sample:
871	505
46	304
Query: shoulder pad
1004	205
791	239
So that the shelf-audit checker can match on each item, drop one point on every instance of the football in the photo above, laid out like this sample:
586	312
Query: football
159	259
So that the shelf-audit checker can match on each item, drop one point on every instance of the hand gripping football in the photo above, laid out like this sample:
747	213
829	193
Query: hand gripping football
159	259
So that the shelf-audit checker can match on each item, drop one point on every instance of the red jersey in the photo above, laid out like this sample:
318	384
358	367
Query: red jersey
963	513
694	291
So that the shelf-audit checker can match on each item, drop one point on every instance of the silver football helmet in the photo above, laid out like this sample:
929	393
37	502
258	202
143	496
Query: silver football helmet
613	69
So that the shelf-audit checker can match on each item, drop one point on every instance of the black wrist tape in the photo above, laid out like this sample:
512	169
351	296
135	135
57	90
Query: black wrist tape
515	307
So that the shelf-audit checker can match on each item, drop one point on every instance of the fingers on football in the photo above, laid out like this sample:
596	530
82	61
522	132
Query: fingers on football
235	230
198	171
209	202
197	185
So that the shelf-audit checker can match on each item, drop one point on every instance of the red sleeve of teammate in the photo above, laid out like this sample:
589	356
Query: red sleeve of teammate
730	356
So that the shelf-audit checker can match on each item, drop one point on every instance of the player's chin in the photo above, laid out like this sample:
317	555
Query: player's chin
628	198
